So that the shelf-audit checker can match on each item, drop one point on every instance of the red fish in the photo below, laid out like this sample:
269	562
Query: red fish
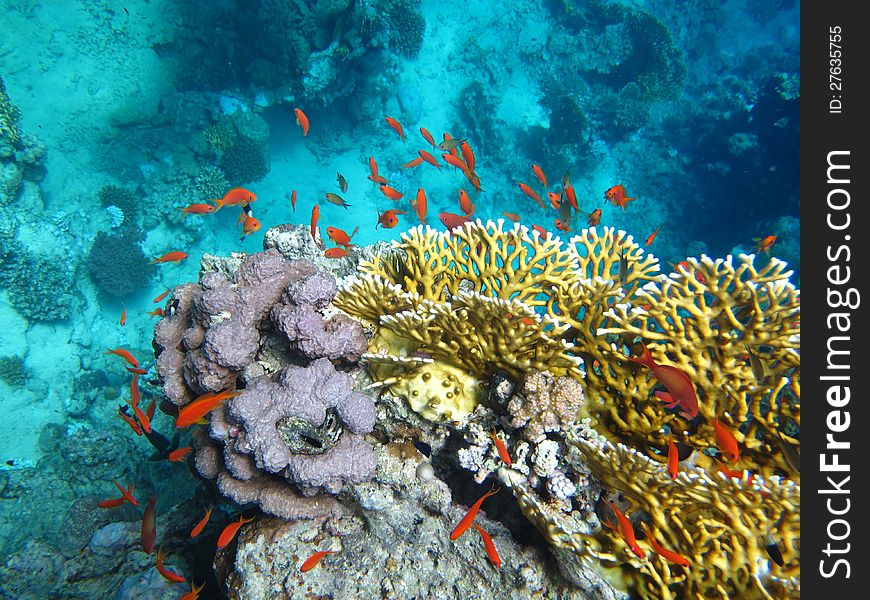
123	320
249	224
468	156
652	236
175	256
618	196
425	133
451	221
157	312
144	421
531	193
130	421
230	531
466	521
301	120
502	449
421	205
561	225
234	197
152	406
339	237
201	406
677	382
488	544
455	161
171	576
688	269
764	244
335	253
149	525
668	555
429	158
198	208
313	560
390	193
128	494
511	216
193	594
125	354
726	440
673	458
388	218
473	179
160	297
540	230
201	525
315	215
571	195
396	125
555	199
539	173
373	167
594	218
627	531
134	389
113	503
414	163
178	454
293	200
465	203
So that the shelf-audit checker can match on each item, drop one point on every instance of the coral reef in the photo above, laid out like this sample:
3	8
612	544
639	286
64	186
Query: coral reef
40	288
124	199
246	158
117	264
210	183
12	371
10	118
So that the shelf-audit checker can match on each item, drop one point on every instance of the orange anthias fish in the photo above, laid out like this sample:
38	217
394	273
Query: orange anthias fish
452	221
113	503
390	193
249	224
488	544
764	244
539	173
679	386
339	237
193	594
128	494
455	161
130	421
301	120
315	215
160	297
421	205
652	236
125	354
668	555
726	440
171	576
388	218
123	320
178	454
501	448
627	531
137	370
531	193
175	256
293	200
233	197
465	203
618	196
201	406
594	218
540	231
157	312
466	521
134	389
428	136
511	216
230	531
468	156
149	525
373	167
413	164
335	252
313	560
429	158
201	525
673	459
571	195
396	126
197	209
561	225
144	421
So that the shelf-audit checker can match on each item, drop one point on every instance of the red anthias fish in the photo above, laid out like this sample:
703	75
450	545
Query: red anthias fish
680	388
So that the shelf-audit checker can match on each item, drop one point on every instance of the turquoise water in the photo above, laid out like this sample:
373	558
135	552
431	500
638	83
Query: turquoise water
693	107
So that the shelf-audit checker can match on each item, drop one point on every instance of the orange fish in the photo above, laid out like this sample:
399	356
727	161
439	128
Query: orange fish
160	297
488	544
627	531
726	440
396	126
571	195
451	221
178	454
123	320
233	197
688	269
201	525
171	576
390	193
136	370
313	560
134	389
193	594
673	458
425	133
130	421
125	354
293	200
473	179
511	216
373	167
113	503
455	161
230	531
339	237
249	224
388	218
414	163
531	193
152	406
421	205
301	120
429	158
764	244
149	525
502	449
680	389
594	218
157	312
144	421
465	203
128	494
668	555
561	225
335	253
201	406
541	231
315	215
652	236
539	173
175	256
555	199
618	196
466	521
197	209
467	155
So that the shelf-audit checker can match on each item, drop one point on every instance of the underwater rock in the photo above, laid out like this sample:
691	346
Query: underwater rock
35	572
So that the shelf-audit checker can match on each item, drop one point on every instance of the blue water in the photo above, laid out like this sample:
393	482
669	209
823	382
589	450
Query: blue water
692	107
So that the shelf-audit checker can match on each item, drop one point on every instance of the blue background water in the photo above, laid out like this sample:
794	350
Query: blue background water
693	106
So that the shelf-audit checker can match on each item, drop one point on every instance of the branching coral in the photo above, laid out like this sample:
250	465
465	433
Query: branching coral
10	117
